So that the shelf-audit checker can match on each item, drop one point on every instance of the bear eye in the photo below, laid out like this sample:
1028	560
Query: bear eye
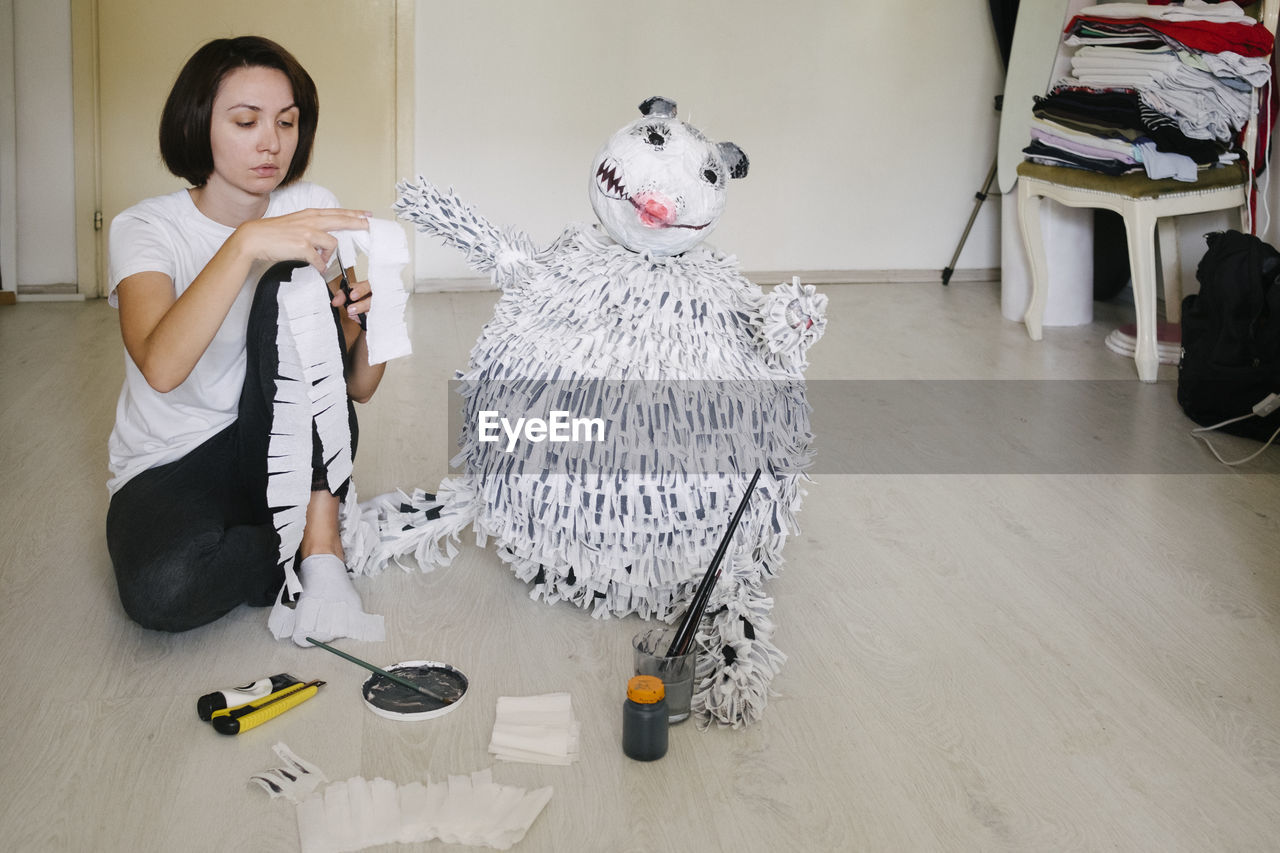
711	175
655	135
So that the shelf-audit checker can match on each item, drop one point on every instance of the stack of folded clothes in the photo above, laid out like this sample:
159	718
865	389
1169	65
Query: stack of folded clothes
1160	89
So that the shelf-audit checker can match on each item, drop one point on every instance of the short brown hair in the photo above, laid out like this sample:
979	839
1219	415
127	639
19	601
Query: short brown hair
185	122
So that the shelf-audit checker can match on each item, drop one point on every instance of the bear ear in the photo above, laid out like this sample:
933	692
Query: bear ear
658	106
735	158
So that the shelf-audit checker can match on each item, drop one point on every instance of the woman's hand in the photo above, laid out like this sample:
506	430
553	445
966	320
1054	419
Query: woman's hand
166	334
301	236
358	299
362	378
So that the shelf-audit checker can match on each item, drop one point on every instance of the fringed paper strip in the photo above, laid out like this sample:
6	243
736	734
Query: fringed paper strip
305	308
295	780
472	810
311	389
289	451
422	526
387	250
361	540
699	376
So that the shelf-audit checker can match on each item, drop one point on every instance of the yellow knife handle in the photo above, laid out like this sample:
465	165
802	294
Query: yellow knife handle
254	704
236	725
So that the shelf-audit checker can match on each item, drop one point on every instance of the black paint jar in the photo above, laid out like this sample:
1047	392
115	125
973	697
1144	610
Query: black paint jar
644	719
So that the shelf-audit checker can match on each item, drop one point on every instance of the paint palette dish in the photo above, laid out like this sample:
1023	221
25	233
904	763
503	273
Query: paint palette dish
394	701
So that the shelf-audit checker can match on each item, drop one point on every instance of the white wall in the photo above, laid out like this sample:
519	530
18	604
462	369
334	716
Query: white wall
45	185
869	126
868	131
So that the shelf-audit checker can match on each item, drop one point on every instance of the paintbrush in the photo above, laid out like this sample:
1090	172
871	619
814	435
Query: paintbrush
403	682
689	625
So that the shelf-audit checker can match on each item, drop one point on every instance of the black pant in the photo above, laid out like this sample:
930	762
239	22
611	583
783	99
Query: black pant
192	539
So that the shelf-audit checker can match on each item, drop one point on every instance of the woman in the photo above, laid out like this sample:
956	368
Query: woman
195	274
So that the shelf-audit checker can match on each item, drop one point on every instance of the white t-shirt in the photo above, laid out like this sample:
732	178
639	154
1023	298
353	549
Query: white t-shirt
168	234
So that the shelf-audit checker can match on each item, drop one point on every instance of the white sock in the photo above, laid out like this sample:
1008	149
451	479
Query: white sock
329	606
325	576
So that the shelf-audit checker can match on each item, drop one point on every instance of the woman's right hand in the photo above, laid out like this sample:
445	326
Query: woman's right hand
166	334
301	236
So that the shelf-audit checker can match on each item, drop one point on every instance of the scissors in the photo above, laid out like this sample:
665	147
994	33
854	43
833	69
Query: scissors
346	288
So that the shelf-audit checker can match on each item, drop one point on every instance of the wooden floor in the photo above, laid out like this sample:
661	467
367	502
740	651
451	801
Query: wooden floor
982	656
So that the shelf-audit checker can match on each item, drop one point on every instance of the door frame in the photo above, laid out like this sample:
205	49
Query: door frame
8	154
91	255
90	252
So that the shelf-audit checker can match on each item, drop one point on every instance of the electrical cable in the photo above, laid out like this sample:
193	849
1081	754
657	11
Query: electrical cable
1248	458
1261	410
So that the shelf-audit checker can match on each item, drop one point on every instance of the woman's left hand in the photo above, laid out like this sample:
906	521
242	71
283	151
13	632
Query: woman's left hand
357	301
362	377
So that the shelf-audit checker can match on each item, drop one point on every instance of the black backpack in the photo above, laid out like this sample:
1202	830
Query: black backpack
1231	335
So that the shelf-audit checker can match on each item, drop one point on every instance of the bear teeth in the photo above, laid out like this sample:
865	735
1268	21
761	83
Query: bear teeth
609	180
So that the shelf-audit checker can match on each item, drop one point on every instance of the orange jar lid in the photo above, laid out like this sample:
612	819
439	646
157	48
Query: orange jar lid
645	689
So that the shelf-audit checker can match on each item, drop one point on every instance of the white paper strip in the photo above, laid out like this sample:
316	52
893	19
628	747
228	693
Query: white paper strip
387	249
294	781
471	810
312	386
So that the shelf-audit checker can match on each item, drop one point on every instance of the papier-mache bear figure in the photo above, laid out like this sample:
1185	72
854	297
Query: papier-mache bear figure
684	377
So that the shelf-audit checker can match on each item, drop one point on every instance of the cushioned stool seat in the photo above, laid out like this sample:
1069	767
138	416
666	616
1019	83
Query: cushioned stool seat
1142	203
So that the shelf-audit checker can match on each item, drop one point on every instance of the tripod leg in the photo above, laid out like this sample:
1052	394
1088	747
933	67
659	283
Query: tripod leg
979	198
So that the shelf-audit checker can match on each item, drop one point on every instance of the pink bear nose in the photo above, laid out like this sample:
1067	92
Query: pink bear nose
655	208
656	211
